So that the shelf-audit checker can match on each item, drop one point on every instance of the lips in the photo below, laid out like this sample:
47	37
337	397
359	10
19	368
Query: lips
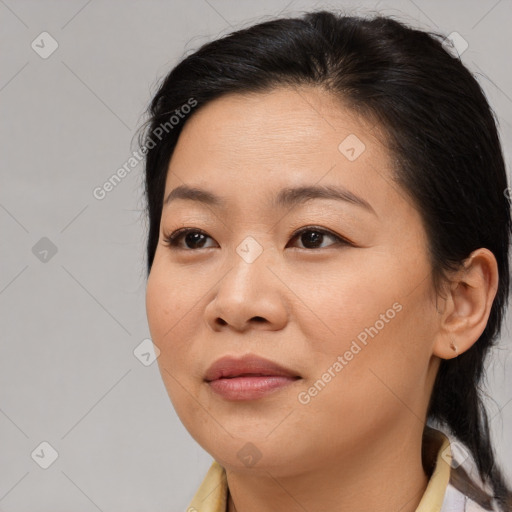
249	365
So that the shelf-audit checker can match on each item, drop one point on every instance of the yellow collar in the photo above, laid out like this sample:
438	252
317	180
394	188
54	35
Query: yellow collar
213	492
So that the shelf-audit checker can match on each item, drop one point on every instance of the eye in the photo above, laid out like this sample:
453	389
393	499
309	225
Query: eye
194	237
311	237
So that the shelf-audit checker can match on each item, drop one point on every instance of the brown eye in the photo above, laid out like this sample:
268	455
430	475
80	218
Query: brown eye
193	239
310	238
313	237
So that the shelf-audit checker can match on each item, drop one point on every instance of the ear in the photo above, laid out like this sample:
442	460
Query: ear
467	305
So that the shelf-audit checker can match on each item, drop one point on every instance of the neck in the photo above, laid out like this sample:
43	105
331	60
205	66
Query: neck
385	474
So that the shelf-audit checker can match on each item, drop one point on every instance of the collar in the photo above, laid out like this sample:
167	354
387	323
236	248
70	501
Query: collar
213	491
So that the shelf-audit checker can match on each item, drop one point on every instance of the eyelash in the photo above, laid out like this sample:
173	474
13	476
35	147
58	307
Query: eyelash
173	239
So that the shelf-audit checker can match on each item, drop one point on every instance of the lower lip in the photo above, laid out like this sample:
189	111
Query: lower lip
249	388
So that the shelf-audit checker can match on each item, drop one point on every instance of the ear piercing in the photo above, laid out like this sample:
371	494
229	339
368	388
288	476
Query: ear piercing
454	347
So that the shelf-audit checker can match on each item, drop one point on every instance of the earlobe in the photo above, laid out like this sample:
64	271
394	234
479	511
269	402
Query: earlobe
446	347
454	347
468	305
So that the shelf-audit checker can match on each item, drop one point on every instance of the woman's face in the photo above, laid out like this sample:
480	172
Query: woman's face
355	320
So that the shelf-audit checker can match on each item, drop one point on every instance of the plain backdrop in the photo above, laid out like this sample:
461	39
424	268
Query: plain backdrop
75	392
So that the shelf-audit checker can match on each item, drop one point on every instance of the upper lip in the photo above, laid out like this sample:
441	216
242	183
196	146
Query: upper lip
229	366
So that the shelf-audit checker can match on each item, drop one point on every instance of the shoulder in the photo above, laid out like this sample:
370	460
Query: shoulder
213	491
465	490
455	485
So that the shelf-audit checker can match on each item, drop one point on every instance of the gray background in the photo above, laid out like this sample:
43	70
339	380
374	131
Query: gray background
70	321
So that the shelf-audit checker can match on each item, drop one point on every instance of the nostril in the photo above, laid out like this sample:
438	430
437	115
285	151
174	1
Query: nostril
258	319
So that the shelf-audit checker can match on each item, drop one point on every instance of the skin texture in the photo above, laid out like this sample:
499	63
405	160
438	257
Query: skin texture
356	445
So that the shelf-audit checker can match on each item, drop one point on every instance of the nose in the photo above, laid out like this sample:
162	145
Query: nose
249	296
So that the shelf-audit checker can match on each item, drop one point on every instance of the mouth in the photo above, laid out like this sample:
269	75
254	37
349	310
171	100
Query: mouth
248	378
248	375
245	366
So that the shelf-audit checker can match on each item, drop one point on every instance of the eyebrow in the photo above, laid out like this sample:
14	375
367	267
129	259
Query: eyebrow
286	197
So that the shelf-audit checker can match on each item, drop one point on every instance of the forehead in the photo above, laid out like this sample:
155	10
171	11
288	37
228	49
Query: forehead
302	117
252	145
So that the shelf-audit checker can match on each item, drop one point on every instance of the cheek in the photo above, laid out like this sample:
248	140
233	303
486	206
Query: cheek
158	306
169	309
358	388
369	327
170	296
347	301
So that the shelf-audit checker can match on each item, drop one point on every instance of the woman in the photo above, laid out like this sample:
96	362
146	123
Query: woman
328	266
